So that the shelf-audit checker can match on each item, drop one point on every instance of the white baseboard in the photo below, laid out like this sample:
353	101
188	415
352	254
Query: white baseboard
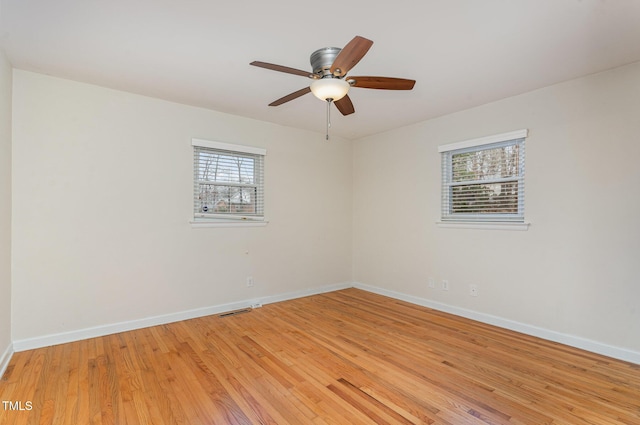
80	334
5	358
305	293
571	340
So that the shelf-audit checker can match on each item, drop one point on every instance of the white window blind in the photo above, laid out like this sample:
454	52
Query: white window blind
228	181
483	179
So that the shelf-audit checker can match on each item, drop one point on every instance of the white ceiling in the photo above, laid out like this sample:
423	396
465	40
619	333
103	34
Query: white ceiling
462	53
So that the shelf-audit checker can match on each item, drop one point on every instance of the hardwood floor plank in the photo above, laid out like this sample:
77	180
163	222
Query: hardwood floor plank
237	390
91	396
350	349
345	357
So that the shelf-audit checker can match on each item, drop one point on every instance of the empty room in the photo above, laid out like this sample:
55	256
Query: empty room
320	213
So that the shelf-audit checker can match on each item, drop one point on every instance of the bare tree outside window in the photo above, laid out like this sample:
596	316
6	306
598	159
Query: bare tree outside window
486	181
227	183
483	181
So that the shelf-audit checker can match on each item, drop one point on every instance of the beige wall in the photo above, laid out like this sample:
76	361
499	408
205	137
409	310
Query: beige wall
102	184
5	206
102	200
576	271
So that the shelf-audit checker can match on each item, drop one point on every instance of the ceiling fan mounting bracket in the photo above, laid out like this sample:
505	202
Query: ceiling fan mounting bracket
322	59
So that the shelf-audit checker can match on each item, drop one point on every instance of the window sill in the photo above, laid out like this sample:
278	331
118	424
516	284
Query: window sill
483	226
227	223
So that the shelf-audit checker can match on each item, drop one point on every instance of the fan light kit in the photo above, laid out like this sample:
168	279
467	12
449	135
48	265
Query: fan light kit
330	89
330	67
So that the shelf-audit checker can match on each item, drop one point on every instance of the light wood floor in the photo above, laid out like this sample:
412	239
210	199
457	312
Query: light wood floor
347	357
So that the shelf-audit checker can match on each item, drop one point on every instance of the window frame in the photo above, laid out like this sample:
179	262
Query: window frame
515	221
230	219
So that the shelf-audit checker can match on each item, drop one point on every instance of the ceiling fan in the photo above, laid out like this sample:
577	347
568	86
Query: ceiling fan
330	66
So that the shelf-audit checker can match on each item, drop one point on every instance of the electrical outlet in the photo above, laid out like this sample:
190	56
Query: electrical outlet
249	281
445	285
432	282
473	290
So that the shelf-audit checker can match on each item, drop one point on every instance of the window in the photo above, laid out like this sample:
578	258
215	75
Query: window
483	179
228	182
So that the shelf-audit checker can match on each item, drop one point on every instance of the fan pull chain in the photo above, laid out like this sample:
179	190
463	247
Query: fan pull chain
328	116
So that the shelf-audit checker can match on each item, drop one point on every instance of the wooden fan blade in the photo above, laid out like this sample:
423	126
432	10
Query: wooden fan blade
281	68
345	106
350	55
383	83
291	96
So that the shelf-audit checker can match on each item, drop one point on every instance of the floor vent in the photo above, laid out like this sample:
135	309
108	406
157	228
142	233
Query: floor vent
234	312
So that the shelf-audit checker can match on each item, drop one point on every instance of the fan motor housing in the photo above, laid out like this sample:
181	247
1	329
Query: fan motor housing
322	59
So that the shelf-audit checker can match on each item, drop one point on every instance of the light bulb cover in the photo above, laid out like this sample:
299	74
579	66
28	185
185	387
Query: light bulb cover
330	88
